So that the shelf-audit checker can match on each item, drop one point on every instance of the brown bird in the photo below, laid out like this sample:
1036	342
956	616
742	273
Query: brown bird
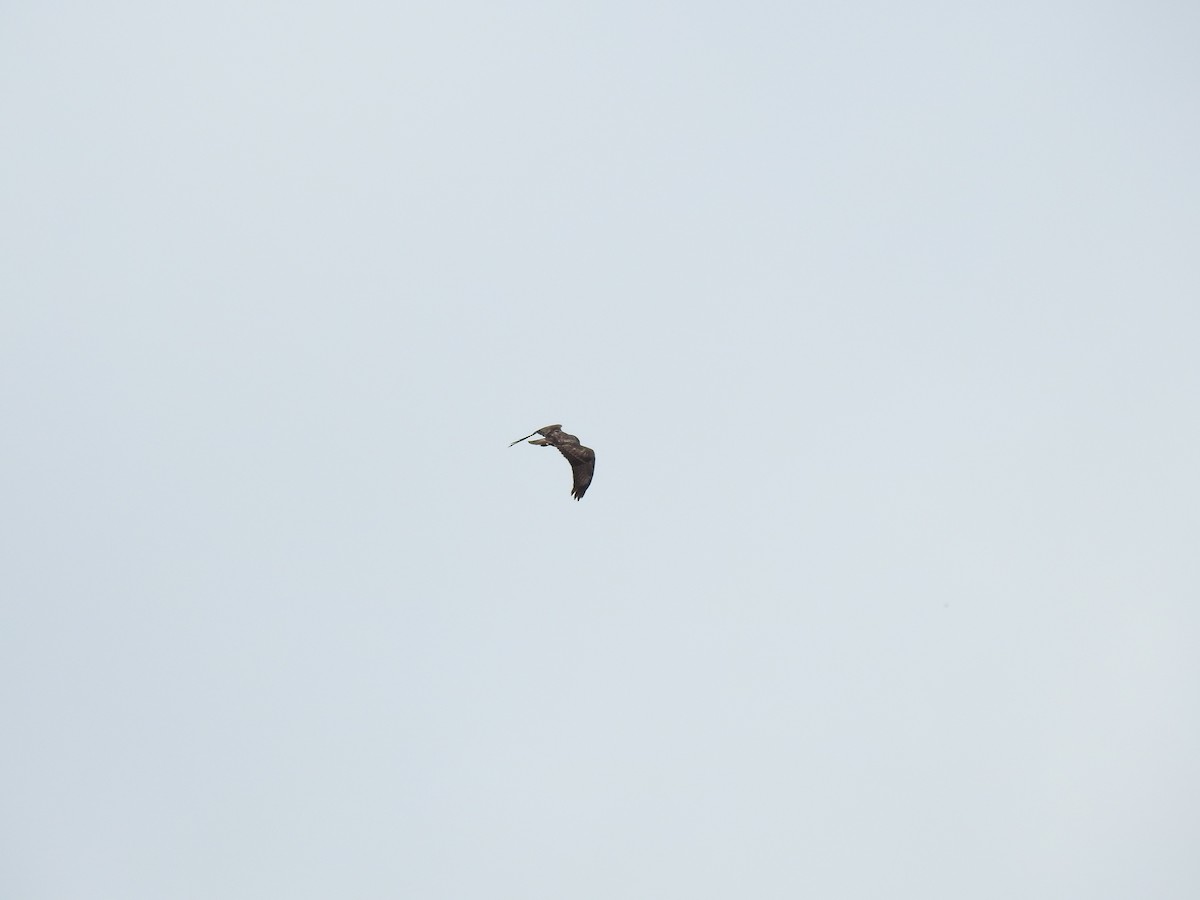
581	458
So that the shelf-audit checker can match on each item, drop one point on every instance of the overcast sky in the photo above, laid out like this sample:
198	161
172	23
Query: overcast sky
881	318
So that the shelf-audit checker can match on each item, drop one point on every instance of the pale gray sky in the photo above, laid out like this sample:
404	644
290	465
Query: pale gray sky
881	318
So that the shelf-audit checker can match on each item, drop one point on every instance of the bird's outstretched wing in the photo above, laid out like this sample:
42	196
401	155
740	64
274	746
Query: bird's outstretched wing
583	464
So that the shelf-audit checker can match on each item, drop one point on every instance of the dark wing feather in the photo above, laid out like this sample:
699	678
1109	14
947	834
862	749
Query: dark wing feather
583	464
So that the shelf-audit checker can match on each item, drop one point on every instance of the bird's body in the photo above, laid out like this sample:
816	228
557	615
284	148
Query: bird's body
581	458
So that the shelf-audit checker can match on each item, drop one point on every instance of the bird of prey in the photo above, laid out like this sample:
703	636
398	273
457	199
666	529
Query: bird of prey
581	458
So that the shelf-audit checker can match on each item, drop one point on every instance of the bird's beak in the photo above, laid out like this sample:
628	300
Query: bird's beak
518	440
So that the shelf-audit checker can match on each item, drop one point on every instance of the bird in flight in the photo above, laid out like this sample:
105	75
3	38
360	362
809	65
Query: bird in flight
581	458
